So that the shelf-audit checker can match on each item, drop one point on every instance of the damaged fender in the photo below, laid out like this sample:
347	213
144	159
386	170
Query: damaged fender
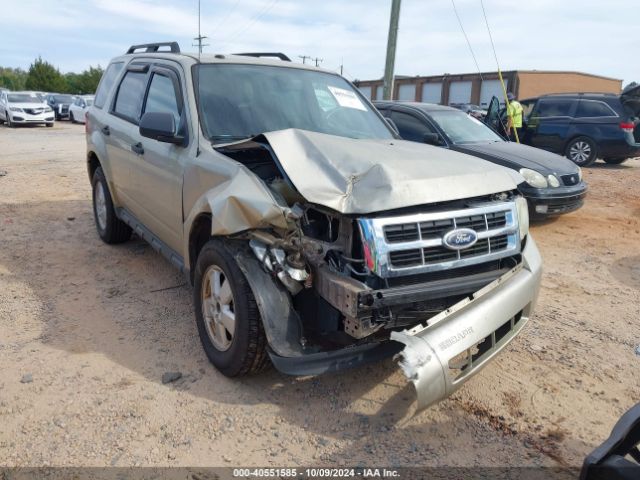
439	357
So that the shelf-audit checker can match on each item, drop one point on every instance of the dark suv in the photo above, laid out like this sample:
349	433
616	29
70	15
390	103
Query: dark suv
585	126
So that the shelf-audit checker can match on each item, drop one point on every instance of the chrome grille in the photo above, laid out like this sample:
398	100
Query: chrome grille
411	244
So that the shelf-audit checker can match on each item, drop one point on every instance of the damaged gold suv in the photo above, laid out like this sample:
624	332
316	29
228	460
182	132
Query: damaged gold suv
313	236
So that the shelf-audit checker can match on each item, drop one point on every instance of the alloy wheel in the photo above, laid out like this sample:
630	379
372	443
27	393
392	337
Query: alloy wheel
580	152
101	206
218	308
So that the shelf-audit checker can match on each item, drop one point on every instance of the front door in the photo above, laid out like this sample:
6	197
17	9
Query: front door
157	171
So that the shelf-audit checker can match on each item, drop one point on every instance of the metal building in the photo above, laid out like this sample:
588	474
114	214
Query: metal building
470	88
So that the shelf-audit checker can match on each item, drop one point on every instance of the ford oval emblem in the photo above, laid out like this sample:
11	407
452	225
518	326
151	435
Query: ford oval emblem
460	238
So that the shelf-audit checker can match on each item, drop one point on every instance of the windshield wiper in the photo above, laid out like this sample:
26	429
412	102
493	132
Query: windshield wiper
228	138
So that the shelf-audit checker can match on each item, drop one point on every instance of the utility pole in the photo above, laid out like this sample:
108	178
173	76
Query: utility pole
341	66
200	37
317	60
304	58
392	41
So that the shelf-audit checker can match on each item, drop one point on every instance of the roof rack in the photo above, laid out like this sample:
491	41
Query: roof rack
155	47
279	55
578	93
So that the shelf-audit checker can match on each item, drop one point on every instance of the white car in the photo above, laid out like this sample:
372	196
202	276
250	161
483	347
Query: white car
79	108
19	108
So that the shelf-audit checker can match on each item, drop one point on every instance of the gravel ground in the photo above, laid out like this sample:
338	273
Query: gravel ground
87	332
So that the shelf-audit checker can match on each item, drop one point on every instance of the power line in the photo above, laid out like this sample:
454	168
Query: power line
467	39
225	18
490	36
251	22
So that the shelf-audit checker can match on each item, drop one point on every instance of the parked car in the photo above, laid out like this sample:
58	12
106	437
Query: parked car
311	235
581	126
79	108
60	104
19	108
553	185
471	109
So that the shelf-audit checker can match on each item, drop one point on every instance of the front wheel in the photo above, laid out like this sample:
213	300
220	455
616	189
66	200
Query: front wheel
227	315
50	124
73	120
615	161
582	151
10	124
110	228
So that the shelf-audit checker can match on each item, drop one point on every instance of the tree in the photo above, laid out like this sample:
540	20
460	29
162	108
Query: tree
13	78
45	77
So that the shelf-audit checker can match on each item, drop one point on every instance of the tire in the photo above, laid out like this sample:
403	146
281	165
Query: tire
615	161
110	228
9	122
50	124
242	351
73	120
582	151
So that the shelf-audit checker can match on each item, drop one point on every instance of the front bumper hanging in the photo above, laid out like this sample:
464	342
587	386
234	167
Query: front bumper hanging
439	357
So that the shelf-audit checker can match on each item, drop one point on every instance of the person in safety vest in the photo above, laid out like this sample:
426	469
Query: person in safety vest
514	117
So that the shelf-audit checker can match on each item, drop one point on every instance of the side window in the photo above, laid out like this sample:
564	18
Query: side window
553	108
591	108
410	127
162	97
129	96
107	81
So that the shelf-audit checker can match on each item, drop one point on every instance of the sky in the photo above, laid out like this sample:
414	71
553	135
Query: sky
592	36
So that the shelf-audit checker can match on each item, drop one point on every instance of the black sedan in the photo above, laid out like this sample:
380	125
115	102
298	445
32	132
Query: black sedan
60	104
553	184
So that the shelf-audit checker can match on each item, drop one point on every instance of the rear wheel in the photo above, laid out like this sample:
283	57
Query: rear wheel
614	161
582	151
227	315
10	124
110	228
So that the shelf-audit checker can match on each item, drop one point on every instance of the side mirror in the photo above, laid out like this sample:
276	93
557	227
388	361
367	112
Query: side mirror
160	126
432	139
393	125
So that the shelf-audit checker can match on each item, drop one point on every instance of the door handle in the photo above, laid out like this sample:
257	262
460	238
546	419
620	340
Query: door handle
138	149
106	131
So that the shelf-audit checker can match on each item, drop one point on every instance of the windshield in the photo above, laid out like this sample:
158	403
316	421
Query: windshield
88	101
462	128
22	98
240	101
63	98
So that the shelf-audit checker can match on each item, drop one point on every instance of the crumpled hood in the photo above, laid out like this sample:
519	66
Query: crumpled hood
517	156
364	176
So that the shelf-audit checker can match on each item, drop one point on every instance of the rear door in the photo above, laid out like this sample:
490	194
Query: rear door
156	166
492	119
121	131
549	123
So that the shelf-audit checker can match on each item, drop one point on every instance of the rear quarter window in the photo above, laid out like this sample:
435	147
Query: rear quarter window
107	81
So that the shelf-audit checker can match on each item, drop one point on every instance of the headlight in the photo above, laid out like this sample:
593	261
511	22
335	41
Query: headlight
523	216
15	109
553	181
534	178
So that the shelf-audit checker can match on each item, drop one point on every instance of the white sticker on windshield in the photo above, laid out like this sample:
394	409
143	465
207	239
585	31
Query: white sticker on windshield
347	98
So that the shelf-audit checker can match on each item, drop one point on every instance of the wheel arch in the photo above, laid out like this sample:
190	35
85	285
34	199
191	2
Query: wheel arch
199	235
93	162
578	135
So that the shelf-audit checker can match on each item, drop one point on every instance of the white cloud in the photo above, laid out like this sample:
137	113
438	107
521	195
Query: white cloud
590	35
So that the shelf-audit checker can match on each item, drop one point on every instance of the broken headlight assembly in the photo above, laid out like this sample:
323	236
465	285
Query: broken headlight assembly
523	216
